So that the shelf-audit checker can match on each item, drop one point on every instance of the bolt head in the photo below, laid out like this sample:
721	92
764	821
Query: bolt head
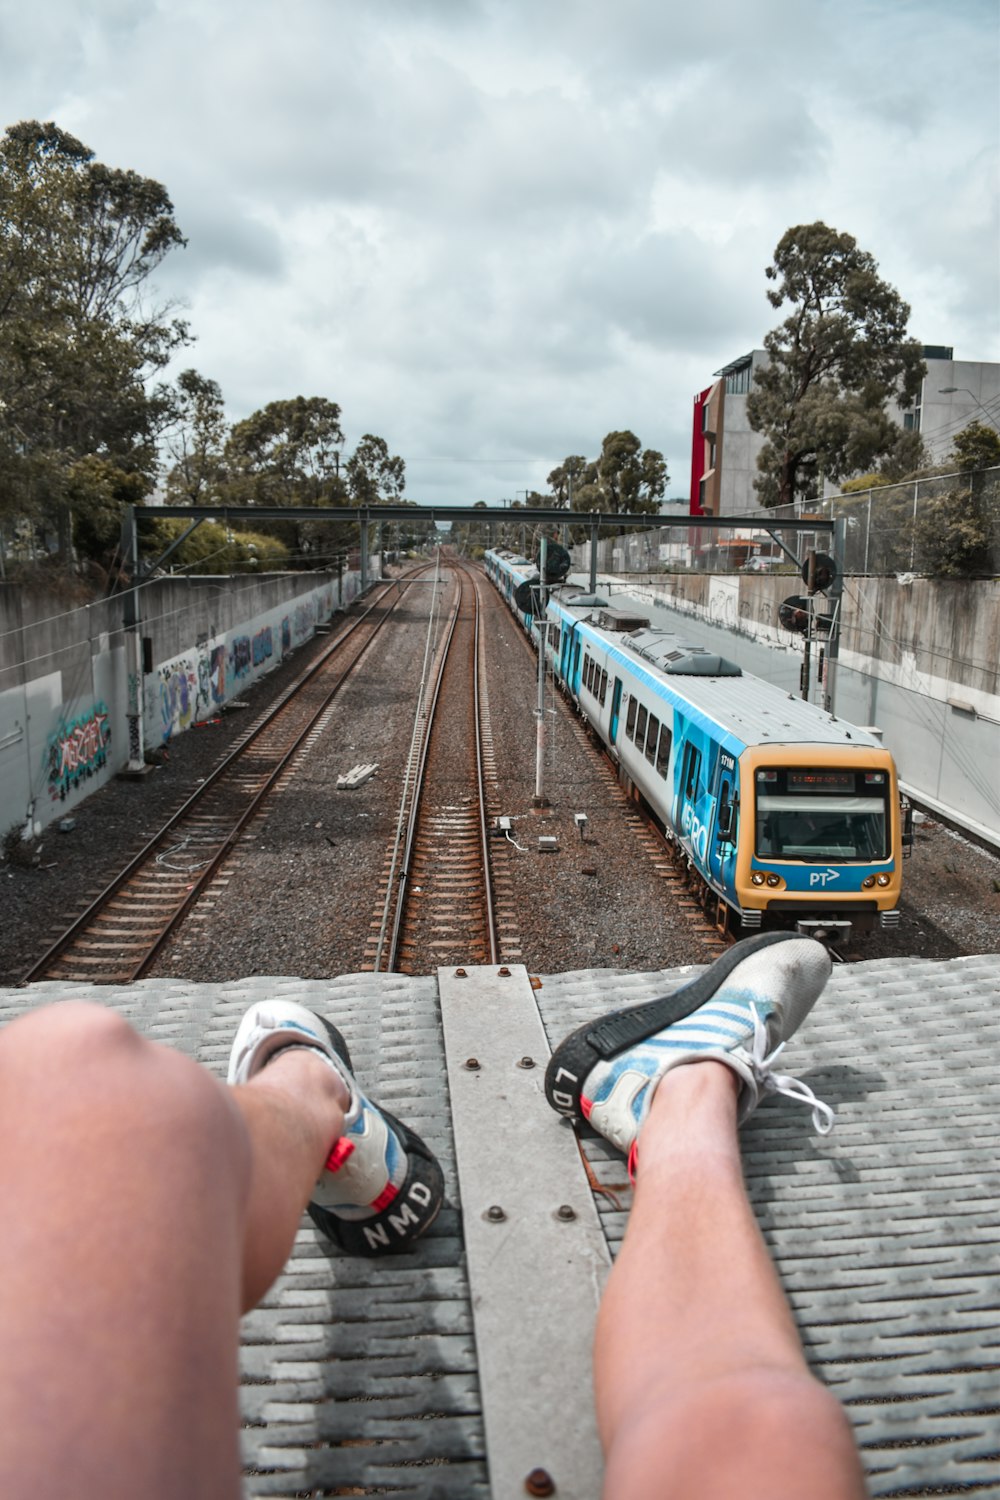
565	1211
495	1214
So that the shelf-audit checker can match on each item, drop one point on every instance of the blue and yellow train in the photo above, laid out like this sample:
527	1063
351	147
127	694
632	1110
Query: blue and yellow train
786	815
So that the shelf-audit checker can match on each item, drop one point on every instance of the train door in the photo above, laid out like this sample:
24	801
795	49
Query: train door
616	708
569	637
692	806
723	831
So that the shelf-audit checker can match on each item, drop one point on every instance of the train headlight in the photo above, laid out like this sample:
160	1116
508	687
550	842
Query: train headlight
774	880
884	879
868	882
757	878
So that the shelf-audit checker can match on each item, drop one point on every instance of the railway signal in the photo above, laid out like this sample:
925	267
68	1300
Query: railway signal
818	572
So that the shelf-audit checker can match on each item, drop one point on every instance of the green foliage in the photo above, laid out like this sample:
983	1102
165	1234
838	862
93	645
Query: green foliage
864	482
977	447
952	535
212	548
196	440
78	241
374	476
566	479
834	363
626	478
288	453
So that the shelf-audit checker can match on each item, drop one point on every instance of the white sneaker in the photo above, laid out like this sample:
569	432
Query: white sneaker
740	1011
381	1187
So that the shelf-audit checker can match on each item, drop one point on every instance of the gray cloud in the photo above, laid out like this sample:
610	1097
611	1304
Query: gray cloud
494	231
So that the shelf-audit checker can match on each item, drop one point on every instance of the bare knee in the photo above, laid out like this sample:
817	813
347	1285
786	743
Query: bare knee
772	1432
78	1070
73	1032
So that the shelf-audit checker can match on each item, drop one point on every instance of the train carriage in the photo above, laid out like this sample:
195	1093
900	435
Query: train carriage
786	815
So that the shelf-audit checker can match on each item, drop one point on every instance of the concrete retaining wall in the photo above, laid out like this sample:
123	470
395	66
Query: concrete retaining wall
63	677
919	659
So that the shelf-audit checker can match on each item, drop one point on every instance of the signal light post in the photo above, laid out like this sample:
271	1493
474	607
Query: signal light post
820	574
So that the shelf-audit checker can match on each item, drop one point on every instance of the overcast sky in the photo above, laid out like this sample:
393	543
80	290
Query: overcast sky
494	230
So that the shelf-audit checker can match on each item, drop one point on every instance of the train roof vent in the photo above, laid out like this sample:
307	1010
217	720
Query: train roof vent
680	658
620	619
584	601
701	663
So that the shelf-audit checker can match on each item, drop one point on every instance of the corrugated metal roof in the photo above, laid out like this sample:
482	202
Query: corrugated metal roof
886	1234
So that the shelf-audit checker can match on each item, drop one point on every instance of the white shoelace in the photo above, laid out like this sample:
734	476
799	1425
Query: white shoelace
761	1062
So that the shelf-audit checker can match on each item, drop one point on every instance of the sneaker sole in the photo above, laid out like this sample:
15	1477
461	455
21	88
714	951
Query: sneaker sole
602	1040
396	1228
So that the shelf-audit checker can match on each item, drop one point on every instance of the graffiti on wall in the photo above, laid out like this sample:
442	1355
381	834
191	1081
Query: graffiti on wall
305	619
240	658
77	750
217	675
178	695
286	635
190	688
263	646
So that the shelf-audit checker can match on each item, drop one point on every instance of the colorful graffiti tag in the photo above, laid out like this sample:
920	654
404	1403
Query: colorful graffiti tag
217	675
263	646
77	750
286	635
240	656
178	696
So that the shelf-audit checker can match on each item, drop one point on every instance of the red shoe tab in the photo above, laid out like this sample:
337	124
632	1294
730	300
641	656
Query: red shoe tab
633	1161
385	1197
586	1105
339	1152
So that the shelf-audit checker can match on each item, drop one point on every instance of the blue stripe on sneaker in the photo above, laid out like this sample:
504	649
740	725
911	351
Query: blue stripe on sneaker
731	1031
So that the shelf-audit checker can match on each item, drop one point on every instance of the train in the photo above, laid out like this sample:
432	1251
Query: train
784	815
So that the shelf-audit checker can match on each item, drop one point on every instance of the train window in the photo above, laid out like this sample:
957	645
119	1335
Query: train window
824	815
640	726
576	660
691	778
587	664
663	752
652	730
630	719
604	685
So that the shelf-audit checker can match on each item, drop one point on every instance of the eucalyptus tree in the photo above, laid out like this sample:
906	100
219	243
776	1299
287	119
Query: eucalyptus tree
80	342
835	365
195	440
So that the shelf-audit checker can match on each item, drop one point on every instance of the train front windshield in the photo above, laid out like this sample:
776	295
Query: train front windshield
828	815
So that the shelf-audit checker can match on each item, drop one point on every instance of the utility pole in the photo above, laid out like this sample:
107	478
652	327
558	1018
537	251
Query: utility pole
133	649
543	638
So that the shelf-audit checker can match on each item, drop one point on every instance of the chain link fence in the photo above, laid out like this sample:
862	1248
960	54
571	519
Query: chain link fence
945	526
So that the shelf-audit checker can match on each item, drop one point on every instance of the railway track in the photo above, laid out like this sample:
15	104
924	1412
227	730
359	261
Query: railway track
118	935
698	909
436	903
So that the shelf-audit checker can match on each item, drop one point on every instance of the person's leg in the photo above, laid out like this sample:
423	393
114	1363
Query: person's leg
132	1184
701	1384
702	1388
145	1206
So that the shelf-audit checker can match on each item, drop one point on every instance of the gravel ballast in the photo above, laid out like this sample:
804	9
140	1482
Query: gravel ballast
299	897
